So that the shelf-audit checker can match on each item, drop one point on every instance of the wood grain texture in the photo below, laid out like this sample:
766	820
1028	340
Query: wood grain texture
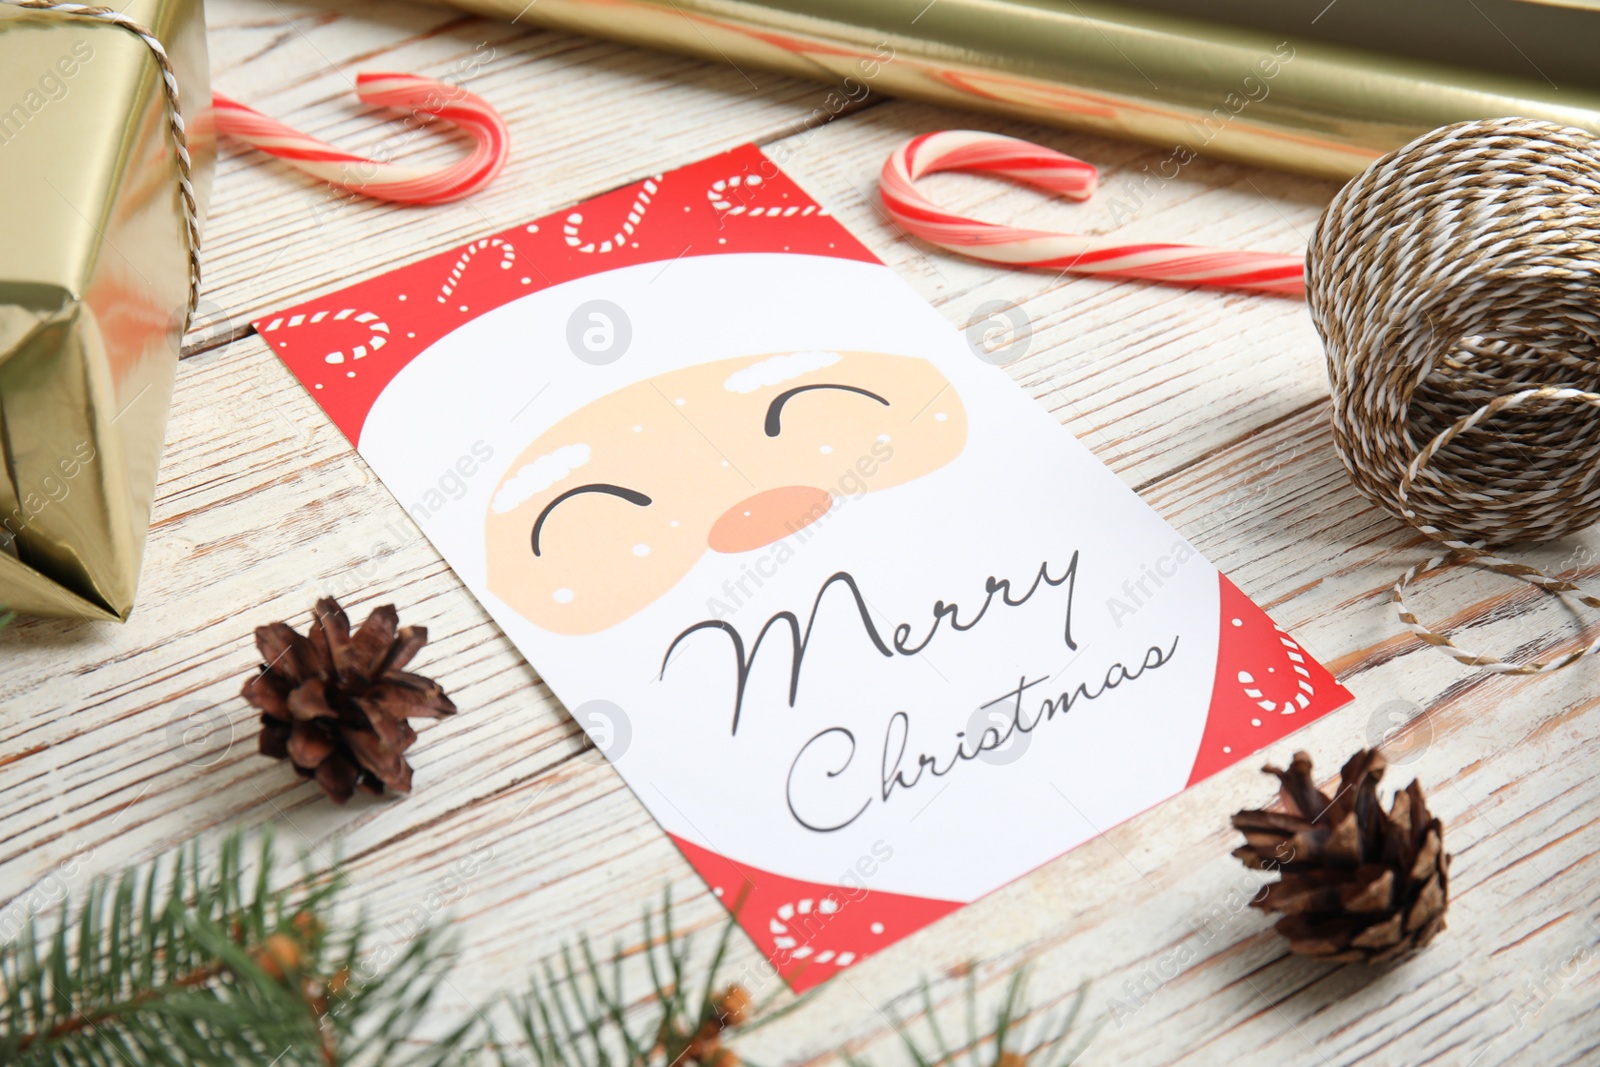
1213	405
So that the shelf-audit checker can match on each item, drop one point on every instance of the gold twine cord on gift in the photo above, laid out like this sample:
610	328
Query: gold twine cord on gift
1456	285
180	139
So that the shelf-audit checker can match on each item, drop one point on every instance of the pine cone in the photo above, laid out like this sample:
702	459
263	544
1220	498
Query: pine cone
335	704
1358	884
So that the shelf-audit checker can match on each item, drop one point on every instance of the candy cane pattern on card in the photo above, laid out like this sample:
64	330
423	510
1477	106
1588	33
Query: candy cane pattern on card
508	257
798	947
723	193
641	204
427	100
1301	700
378	329
1014	246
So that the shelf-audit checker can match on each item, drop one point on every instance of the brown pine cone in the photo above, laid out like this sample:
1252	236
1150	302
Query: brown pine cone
1358	884
335	704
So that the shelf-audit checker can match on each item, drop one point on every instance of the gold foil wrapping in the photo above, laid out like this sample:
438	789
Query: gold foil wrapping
94	284
1104	68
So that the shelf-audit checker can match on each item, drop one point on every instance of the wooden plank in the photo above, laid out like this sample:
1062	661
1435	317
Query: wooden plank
573	850
1212	403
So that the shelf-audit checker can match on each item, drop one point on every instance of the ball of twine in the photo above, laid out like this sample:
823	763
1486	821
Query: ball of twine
1456	284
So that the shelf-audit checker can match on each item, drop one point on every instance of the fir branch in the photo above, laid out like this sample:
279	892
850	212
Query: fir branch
181	962
577	1014
1005	1040
184	963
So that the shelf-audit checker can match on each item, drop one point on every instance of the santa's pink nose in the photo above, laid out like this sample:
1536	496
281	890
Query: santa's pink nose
767	517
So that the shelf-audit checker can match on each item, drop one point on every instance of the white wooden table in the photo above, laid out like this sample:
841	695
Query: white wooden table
1213	406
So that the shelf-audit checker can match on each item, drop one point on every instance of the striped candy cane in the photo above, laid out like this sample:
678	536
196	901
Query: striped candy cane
427	100
1014	246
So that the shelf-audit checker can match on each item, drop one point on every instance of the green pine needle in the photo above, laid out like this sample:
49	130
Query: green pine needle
186	963
577	1013
1005	1040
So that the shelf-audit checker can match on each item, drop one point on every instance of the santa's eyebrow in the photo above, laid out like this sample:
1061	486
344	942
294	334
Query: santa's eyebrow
632	496
775	409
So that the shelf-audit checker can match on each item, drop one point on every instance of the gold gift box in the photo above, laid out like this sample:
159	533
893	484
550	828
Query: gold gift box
1270	98
94	285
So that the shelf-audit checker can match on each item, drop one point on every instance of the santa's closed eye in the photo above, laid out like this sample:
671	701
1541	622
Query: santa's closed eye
775	409
632	496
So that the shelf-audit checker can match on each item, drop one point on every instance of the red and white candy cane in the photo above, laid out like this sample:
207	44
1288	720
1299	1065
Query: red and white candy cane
424	98
1015	246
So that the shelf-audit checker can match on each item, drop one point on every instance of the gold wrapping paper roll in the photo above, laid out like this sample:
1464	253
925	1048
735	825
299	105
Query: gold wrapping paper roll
1176	82
94	283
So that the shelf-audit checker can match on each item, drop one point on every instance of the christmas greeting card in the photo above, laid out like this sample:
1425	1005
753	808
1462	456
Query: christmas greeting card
867	632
